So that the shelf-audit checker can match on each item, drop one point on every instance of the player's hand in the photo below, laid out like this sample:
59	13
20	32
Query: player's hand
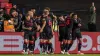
61	18
38	28
30	28
44	15
41	30
55	17
79	25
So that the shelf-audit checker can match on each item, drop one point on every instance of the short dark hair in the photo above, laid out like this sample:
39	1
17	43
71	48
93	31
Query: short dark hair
73	15
27	15
47	8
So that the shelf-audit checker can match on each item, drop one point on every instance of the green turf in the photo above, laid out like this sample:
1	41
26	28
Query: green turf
55	55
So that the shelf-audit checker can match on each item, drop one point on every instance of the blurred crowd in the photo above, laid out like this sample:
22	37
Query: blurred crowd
12	22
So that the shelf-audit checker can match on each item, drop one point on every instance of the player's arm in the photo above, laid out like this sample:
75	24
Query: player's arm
37	26
23	26
52	29
80	23
44	23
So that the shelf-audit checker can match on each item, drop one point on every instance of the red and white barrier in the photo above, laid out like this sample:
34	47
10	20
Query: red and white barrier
90	43
12	43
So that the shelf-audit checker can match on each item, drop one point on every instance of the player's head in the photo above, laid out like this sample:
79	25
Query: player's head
14	13
27	17
46	11
92	3
33	10
14	6
71	14
30	13
74	16
47	8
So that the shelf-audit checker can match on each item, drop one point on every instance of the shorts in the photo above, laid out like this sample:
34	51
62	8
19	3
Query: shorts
61	33
68	35
42	35
29	35
76	34
46	34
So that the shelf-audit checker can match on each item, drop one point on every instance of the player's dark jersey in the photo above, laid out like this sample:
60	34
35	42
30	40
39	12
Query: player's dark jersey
38	21
48	22
47	31
69	23
34	24
76	33
61	23
75	23
28	24
68	29
34	20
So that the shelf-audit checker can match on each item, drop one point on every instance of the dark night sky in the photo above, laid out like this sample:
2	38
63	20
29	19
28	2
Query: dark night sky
58	4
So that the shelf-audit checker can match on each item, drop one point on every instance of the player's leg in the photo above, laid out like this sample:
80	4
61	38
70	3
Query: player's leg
50	47
44	43
69	41
72	40
61	39
79	37
50	36
45	46
61	36
61	45
31	43
66	41
41	42
31	46
66	45
26	42
34	38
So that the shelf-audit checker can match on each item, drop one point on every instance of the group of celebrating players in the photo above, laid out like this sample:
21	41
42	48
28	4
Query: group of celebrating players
69	30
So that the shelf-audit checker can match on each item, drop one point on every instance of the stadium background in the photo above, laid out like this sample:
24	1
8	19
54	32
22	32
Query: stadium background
63	7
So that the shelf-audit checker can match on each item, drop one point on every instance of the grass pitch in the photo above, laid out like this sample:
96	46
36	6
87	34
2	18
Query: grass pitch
53	55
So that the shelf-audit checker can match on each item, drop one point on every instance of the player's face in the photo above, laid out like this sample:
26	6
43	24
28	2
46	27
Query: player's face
30	13
33	10
92	3
28	18
14	6
14	13
46	11
75	17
